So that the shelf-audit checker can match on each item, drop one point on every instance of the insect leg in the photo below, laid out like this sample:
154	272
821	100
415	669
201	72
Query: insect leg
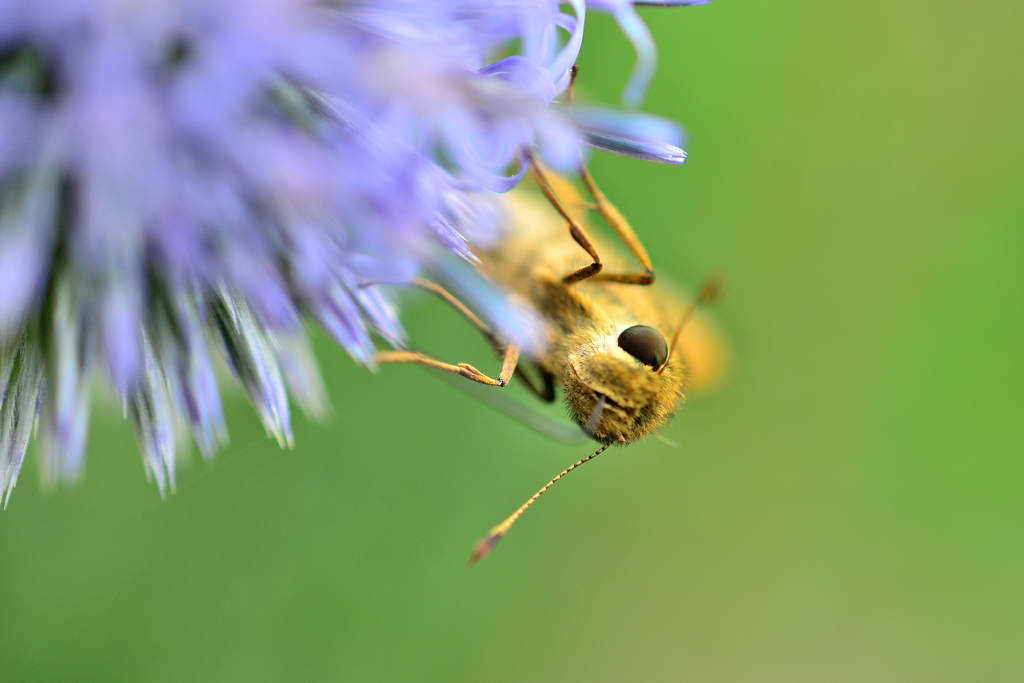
547	394
462	308
612	215
625	232
464	369
510	351
575	229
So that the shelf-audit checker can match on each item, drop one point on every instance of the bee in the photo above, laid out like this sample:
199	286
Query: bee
624	348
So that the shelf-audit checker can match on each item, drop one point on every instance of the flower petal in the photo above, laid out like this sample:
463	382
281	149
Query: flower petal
64	420
250	354
149	409
22	374
641	136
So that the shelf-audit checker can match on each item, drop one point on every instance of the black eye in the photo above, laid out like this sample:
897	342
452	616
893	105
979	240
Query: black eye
645	344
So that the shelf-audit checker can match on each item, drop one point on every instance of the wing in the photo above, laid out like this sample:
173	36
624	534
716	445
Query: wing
525	414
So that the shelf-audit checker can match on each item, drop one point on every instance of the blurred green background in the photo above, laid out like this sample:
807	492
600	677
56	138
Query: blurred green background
849	508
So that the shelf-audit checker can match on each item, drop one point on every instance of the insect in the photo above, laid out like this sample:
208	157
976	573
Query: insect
614	337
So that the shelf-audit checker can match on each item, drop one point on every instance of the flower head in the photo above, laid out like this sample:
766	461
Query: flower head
187	179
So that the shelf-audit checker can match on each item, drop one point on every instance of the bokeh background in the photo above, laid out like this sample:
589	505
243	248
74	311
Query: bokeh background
850	507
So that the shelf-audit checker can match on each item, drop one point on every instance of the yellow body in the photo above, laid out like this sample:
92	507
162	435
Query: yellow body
586	318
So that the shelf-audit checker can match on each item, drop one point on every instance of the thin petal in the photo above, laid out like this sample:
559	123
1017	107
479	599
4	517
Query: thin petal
341	317
639	149
252	358
490	180
190	376
569	54
64	418
18	413
27	214
151	415
301	373
642	136
646	55
452	238
668	3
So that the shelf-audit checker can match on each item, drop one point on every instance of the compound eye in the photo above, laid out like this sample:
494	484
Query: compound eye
645	344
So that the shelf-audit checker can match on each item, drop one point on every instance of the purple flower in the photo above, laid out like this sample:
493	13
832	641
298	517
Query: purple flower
182	180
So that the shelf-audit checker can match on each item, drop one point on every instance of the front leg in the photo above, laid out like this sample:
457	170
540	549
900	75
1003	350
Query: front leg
508	365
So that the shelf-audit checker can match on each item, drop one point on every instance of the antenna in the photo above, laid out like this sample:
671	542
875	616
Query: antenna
709	291
487	543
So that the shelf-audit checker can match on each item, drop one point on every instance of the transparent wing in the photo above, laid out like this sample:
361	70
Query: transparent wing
524	413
